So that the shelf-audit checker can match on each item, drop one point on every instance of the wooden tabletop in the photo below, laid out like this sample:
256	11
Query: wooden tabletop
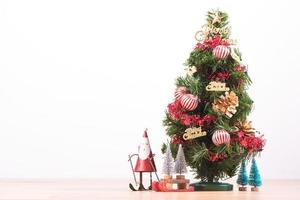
90	189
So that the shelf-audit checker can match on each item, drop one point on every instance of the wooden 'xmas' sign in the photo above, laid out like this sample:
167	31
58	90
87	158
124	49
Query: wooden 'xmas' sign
191	133
217	86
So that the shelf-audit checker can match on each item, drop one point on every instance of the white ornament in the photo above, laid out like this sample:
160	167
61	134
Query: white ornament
180	91
221	137
221	51
189	102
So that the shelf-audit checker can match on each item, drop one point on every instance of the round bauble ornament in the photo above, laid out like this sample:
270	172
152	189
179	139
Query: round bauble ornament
221	137
189	102
180	91
221	51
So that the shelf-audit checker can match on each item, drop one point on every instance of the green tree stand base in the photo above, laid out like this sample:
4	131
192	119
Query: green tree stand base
212	186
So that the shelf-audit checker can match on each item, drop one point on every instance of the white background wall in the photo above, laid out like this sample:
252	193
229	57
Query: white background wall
80	80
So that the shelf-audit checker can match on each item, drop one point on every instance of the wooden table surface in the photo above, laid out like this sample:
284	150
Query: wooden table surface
90	189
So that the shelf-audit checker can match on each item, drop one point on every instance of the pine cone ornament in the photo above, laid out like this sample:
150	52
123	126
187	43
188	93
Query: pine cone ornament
246	127
227	104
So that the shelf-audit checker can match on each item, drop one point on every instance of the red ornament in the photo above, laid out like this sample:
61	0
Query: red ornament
180	91
221	137
221	52
189	102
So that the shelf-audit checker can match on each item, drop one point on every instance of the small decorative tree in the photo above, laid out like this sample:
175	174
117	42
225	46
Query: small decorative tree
242	177
180	164
254	177
180	168
168	164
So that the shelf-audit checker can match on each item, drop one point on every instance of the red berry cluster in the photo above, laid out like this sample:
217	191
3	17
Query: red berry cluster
216	156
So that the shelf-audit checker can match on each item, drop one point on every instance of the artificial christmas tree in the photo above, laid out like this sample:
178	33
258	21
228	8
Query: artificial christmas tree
209	113
242	177
254	176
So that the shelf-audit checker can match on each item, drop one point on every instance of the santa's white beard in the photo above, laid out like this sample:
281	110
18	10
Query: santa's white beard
144	153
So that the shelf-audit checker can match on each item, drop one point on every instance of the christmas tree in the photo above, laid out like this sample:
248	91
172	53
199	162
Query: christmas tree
209	113
242	177
254	176
180	164
168	164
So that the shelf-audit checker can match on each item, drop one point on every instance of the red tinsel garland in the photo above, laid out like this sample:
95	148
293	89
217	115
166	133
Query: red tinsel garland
175	110
251	142
219	76
208	119
200	46
177	113
212	43
188	120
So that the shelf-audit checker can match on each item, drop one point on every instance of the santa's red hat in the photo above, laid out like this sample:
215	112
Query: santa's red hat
145	133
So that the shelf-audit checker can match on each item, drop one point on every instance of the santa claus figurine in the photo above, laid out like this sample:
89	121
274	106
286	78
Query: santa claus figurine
144	163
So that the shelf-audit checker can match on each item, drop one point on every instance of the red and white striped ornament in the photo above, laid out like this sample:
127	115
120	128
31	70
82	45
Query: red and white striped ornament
189	102
180	91
221	51
221	137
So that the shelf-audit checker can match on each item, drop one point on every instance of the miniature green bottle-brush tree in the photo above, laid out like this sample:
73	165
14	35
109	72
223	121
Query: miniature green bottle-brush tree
243	177
254	176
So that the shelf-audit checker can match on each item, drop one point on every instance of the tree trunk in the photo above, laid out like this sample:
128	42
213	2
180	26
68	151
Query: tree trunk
210	178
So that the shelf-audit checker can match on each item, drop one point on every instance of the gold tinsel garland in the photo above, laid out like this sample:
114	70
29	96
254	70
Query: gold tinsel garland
227	104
